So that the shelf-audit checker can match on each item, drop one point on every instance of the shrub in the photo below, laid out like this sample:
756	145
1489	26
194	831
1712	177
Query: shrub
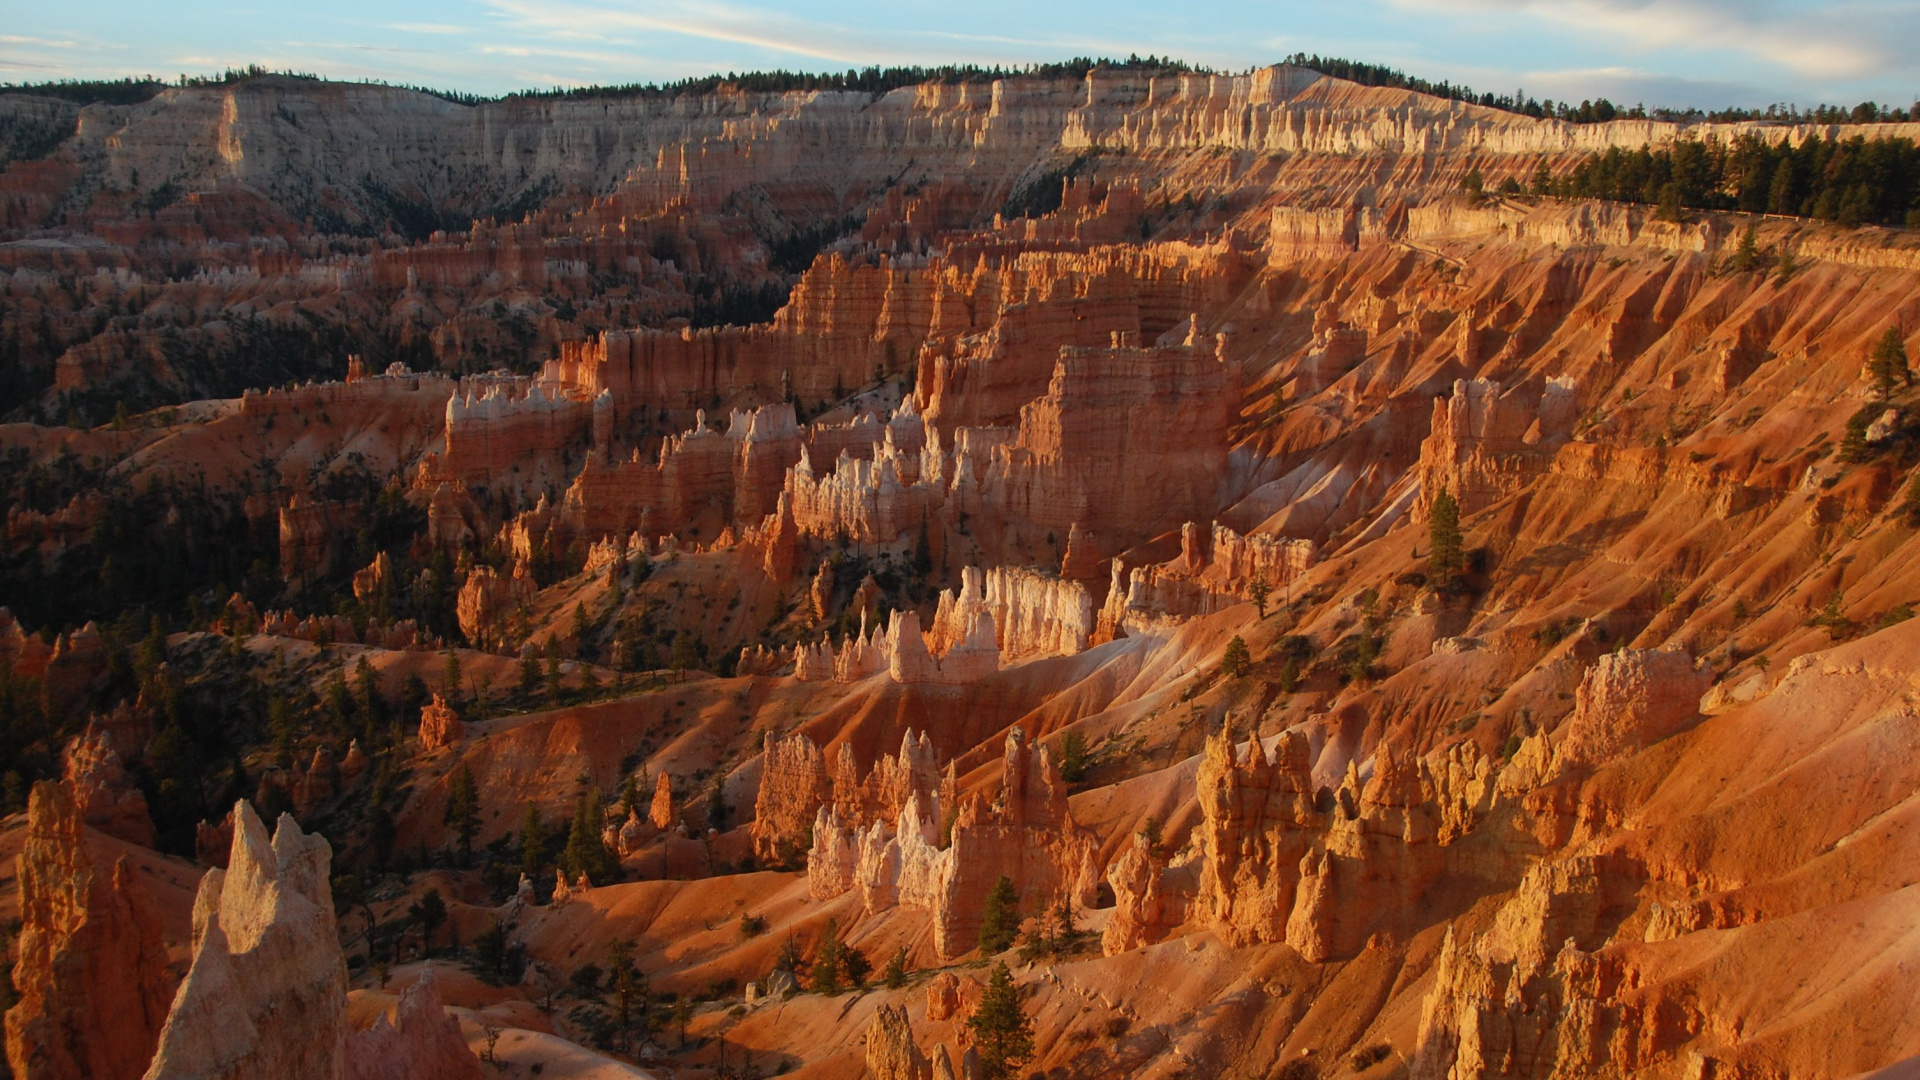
1073	757
1289	676
1298	1069
896	972
1445	557
1369	1057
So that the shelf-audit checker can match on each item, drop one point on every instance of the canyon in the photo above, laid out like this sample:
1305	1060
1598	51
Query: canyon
761	562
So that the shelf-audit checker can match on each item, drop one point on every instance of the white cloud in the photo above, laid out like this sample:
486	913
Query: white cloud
713	22
775	31
1846	40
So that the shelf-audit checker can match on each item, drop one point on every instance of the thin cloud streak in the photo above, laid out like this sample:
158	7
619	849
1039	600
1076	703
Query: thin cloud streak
1823	47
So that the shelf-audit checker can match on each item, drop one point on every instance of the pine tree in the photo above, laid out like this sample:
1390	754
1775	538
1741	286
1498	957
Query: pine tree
1259	590
1542	179
685	653
463	809
586	853
533	842
553	671
451	678
1002	1033
1887	364
629	988
429	911
529	677
1073	757
827	961
1747	255
581	627
717	809
896	972
1670	205
922	550
367	683
788	957
1236	661
1444	559
1000	920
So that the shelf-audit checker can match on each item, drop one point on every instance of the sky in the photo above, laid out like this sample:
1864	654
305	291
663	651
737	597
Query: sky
1704	53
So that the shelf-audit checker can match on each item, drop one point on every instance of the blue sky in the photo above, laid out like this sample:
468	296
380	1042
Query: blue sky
1678	52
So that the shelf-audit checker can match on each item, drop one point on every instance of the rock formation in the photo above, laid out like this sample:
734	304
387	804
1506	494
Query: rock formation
1141	902
1528	998
1026	834
440	726
1485	445
1629	699
420	1040
661	811
489	599
892	1053
1033	614
91	972
106	796
266	995
1279	867
793	783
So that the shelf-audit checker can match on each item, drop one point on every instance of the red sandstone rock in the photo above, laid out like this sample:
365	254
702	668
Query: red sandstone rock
892	1053
106	796
420	1041
317	783
793	782
1026	834
1140	904
440	726
1630	699
488	600
951	997
310	531
820	592
91	971
212	843
660	813
375	581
